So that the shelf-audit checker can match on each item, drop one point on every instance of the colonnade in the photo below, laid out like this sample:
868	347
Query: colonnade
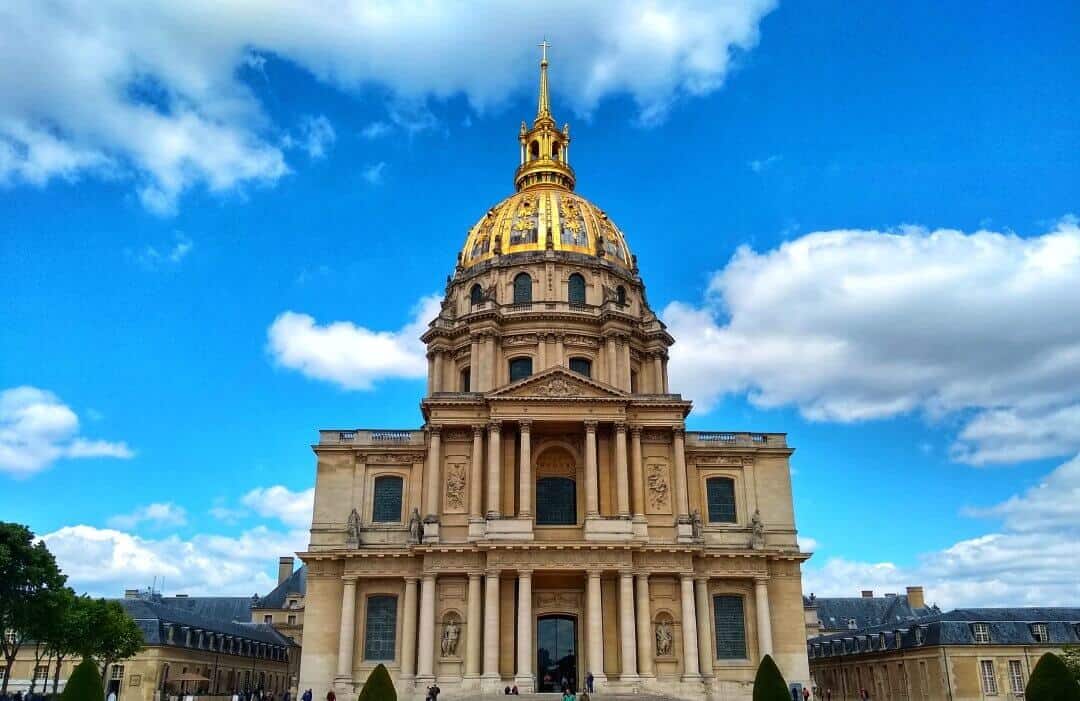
628	471
482	628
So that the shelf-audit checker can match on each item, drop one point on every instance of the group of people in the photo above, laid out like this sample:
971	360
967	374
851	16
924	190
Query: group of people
260	695
20	696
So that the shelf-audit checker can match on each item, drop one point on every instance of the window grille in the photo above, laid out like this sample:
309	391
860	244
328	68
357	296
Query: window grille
1040	633
721	498
989	681
1016	677
556	501
730	627
117	671
576	289
522	289
386	507
380	630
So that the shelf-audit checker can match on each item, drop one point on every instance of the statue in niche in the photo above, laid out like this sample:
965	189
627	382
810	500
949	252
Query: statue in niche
450	636
416	529
664	638
352	530
757	531
699	527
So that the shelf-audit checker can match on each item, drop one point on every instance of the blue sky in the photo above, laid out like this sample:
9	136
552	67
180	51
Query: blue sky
856	218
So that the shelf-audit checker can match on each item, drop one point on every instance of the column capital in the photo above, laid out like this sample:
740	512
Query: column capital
525	425
412	578
620	426
590	425
594	574
635	430
494	426
678	430
642	576
761	580
478	430
701	577
492	572
475	575
687	576
434	429
524	574
350	579
626	573
428	576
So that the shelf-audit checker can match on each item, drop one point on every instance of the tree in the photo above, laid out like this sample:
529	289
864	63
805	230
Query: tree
1051	681
66	639
28	572
769	684
1070	655
50	623
378	686
84	685
106	633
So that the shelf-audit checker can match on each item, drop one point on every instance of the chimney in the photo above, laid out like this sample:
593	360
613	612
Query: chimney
868	593
131	593
284	568
915	597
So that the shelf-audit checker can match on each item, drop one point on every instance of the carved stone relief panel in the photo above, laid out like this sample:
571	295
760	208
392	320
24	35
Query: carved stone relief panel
452	562
455	483
558	602
457	434
657	487
653	435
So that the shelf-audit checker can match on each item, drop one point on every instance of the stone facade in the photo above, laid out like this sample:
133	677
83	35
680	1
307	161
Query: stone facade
553	517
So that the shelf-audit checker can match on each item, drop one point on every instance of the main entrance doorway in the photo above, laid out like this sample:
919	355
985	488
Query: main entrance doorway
556	653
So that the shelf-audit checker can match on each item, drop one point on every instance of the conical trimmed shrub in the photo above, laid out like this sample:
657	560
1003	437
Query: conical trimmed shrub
379	686
84	683
769	684
1051	681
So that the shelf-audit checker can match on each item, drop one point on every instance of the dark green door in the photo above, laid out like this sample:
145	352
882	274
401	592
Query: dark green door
556	653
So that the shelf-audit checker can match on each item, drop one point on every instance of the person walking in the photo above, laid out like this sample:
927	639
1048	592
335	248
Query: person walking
306	696
331	696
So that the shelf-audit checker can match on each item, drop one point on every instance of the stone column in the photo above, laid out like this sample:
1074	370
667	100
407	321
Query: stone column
524	677
541	352
622	473
431	479
494	469
430	372
491	627
625	363
682	504
476	476
560	357
658	373
592	491
347	630
425	658
408	631
490	366
627	631
764	620
612	363
595	633
637	474
473	627
474	364
438	379
525	480
645	644
691	671
704	625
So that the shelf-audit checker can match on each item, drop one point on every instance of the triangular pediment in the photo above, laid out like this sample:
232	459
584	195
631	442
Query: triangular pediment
557	383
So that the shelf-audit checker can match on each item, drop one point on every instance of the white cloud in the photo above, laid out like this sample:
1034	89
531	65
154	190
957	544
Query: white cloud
140	91
1033	559
291	508
37	429
104	562
158	514
315	138
758	165
155	258
808	544
349	355
375	130
374	173
852	325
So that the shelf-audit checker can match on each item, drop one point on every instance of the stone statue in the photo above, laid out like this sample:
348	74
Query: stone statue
451	633
757	531
664	638
699	528
416	529
352	530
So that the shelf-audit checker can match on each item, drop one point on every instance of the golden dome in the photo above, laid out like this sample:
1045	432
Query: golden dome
545	217
545	214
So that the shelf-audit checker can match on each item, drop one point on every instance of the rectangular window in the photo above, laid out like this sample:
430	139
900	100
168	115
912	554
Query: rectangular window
1040	633
268	618
730	627
41	673
117	671
380	628
1016	677
386	506
981	631
721	499
924	679
292	620
989	681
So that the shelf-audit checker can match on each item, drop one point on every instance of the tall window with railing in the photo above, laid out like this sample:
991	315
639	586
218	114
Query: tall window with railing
575	289
522	288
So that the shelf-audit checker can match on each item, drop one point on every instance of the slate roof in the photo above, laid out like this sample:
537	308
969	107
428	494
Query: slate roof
152	615
836	612
228	608
296	583
1007	626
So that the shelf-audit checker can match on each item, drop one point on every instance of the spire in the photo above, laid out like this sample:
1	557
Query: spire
543	106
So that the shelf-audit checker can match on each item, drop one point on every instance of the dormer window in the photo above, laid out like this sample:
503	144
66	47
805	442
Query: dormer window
1040	632
981	632
851	624
917	633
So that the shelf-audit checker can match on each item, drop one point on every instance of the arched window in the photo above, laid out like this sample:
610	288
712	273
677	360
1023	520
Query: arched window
556	501
582	366
555	150
522	288
720	493
633	382
476	295
520	368
575	289
620	295
534	150
386	504
466	380
730	627
380	629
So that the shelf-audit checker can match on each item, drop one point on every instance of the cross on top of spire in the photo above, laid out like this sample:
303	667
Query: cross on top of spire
543	49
